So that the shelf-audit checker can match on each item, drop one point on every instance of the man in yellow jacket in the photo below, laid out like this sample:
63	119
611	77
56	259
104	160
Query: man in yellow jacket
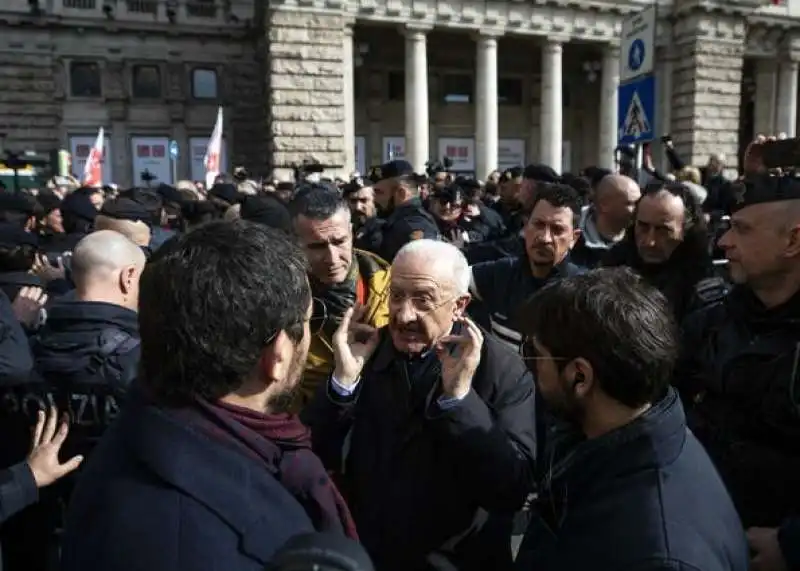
340	276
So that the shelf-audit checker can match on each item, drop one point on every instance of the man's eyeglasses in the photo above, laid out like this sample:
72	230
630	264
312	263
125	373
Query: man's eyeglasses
531	355
420	304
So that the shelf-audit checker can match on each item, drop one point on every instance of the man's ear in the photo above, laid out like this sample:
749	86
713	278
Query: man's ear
793	243
461	305
127	275
576	234
276	357
580	375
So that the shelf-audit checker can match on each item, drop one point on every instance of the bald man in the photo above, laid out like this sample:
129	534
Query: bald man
89	346
603	223
136	231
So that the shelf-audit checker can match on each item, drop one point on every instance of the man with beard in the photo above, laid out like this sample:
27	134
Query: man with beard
367	227
503	285
741	364
604	221
637	490
340	276
668	246
397	199
204	469
430	425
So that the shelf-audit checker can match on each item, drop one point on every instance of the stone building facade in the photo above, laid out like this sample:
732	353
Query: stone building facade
350	82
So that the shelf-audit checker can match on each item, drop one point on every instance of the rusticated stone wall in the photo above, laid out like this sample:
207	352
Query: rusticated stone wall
29	115
708	56
305	88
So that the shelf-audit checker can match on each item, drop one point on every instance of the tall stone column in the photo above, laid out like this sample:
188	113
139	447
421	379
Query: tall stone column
766	95
787	98
608	107
349	94
551	128
664	120
486	121
417	136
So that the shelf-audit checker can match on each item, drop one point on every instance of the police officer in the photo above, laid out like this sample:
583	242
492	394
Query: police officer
740	371
83	358
88	349
396	187
367	226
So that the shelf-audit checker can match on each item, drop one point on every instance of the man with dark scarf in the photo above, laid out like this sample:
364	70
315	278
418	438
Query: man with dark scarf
340	276
204	468
668	246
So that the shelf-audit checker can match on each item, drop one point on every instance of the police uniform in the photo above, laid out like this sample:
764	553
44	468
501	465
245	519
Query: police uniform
740	377
502	286
408	221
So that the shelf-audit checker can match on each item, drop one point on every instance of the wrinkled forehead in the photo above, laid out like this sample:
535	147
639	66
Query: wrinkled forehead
419	273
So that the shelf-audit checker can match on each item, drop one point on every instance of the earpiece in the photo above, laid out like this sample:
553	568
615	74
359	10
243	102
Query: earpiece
579	378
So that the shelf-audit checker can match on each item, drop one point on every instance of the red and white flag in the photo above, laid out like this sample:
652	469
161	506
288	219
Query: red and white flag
214	152
93	169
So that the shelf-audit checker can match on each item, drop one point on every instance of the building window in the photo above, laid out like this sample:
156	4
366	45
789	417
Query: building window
80	4
457	88
85	79
142	6
397	86
146	82
201	8
509	91
204	84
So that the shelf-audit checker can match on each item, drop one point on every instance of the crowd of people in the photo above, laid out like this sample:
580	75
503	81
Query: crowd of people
404	372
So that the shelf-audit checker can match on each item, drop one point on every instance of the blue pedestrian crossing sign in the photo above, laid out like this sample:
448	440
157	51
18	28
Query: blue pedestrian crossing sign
636	110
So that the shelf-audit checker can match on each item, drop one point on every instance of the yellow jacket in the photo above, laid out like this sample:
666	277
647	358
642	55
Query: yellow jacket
374	272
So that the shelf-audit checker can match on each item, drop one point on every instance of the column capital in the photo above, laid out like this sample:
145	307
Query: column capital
416	29
611	50
487	35
554	45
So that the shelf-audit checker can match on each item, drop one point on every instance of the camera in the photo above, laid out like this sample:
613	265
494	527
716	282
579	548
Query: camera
320	552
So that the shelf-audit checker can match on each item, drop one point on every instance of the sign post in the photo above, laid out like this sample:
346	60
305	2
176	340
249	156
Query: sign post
174	153
637	89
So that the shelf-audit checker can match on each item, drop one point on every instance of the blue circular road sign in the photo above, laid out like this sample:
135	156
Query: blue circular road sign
636	54
173	149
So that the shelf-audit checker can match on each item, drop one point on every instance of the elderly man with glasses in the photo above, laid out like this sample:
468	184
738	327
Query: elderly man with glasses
429	425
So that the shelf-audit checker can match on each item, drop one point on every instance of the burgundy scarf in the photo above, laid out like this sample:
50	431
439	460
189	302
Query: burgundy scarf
283	443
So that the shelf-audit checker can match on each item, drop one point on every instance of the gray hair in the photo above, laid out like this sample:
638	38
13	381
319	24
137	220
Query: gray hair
446	256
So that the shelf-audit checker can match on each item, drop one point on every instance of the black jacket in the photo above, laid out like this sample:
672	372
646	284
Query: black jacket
740	374
15	356
789	539
502	286
688	279
420	480
643	497
17	490
407	222
161	495
491	250
87	353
